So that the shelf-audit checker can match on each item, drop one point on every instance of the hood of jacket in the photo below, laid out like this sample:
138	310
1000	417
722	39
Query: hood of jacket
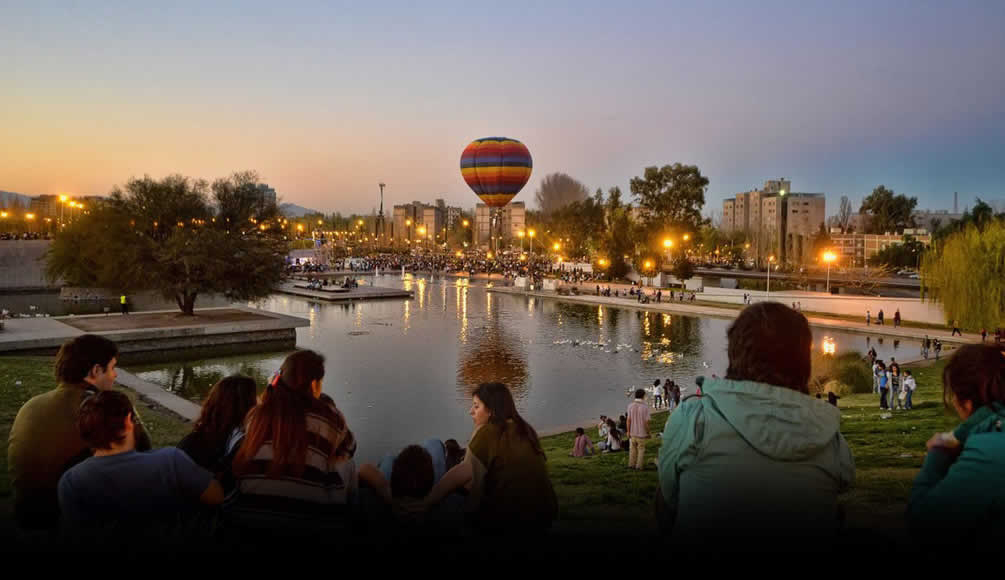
780	423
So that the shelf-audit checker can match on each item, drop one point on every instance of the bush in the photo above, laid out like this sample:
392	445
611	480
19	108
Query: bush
854	374
845	374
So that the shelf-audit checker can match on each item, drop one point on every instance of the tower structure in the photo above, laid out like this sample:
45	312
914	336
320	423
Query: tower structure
379	229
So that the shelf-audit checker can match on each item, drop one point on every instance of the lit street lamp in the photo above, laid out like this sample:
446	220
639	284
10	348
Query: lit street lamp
829	257
770	260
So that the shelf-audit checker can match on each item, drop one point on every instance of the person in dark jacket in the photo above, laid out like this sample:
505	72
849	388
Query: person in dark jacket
221	421
959	495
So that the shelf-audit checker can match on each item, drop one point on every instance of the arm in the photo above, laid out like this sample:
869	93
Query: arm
678	450
460	475
372	476
213	494
950	495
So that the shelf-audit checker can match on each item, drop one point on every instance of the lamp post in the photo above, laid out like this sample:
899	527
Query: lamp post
829	257
770	260
62	202
521	235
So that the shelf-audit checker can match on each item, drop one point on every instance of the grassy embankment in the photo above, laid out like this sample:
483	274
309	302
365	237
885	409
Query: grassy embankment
600	490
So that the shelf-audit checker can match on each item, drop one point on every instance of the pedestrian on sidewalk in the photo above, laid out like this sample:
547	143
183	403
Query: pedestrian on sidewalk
938	348
984	334
879	317
124	303
896	318
868	318
956	328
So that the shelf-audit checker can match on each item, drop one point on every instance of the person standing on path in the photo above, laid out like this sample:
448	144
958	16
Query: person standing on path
884	381
657	397
875	376
638	430
925	345
984	335
938	348
124	303
896	318
868	318
956	328
879	317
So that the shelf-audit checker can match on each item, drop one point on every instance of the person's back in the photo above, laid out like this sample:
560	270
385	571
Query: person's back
756	454
516	489
44	440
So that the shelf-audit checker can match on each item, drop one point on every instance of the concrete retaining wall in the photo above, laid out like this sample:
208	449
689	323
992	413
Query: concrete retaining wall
22	265
910	308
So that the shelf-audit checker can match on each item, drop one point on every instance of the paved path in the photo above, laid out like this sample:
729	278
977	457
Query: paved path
704	310
157	394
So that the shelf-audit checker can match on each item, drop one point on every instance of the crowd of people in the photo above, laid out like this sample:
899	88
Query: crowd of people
745	458
5	236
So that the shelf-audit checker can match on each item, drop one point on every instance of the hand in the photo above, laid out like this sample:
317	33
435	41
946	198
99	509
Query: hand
945	442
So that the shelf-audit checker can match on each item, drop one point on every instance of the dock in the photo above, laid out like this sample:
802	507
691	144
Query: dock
334	294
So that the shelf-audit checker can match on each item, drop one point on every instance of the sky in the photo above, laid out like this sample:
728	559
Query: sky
326	99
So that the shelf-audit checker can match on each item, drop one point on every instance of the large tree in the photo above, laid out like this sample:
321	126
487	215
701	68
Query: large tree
905	255
166	236
617	242
558	190
967	275
844	214
888	212
671	196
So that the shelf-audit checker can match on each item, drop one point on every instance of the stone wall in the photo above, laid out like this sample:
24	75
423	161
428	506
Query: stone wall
913	309
22	266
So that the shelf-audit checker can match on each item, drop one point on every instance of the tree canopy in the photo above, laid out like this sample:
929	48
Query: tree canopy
905	255
671	196
166	236
888	212
967	275
558	190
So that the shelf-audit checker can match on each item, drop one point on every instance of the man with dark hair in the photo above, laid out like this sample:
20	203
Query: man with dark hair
120	487
638	429
756	456
44	440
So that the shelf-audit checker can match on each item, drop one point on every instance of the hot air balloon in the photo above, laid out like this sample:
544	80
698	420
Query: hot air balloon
496	169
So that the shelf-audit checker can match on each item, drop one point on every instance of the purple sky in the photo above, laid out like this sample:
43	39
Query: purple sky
326	100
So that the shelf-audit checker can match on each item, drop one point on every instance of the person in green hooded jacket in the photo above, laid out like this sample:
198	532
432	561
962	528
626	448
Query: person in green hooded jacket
755	461
959	494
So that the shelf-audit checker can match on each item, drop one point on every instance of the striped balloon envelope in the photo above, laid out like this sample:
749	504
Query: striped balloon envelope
496	169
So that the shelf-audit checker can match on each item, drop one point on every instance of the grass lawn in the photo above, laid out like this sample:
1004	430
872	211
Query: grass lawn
888	454
600	490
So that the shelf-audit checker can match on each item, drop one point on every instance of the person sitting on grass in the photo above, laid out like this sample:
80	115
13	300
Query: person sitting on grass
503	470
614	438
45	440
756	457
294	470
582	445
220	421
958	499
121	490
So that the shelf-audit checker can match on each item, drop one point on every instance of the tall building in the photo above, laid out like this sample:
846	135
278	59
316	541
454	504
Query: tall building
776	220
44	206
855	249
513	217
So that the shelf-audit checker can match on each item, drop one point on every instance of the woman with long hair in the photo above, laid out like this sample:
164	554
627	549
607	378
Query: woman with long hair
504	469
294	469
221	421
959	494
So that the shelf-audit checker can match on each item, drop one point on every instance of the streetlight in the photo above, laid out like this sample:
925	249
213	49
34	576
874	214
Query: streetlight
520	235
829	257
770	260
648	267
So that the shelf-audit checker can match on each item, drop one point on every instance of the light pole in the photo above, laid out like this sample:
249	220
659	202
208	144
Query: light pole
521	235
770	260
530	234
829	257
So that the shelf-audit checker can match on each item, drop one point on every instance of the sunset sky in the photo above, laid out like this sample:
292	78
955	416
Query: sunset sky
326	99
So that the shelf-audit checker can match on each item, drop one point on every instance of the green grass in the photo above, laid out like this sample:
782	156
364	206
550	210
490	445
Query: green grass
888	454
600	489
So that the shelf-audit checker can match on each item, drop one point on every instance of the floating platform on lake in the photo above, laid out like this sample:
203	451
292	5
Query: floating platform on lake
159	335
338	294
